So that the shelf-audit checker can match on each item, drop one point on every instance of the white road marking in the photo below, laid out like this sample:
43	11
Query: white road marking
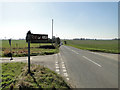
57	67
63	67
92	61
72	50
55	54
56	62
57	70
59	54
61	57
75	52
4	58
65	74
97	53
30	58
64	70
67	78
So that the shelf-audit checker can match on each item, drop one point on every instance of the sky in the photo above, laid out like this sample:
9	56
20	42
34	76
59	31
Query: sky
70	19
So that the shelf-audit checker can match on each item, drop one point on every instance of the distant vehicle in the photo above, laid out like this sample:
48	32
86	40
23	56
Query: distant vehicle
61	43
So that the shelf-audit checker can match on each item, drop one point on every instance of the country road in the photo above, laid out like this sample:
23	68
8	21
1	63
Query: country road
90	70
81	68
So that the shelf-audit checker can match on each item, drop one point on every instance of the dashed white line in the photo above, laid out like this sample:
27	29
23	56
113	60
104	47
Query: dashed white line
95	53
30	58
57	67
65	74
67	78
75	52
63	67
56	62
92	61
57	70
64	70
72	50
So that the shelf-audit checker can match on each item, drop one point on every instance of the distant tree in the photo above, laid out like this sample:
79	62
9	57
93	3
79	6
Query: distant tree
65	42
115	39
82	38
76	39
58	40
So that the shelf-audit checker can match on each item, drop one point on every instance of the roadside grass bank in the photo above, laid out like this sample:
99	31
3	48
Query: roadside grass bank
19	48
10	71
40	77
107	46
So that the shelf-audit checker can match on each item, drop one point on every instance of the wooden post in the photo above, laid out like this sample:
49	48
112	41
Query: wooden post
29	53
10	50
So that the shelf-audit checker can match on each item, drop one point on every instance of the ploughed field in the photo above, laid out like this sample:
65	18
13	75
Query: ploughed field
20	48
108	46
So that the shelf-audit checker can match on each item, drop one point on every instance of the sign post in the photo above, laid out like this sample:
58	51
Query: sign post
28	38
10	50
34	38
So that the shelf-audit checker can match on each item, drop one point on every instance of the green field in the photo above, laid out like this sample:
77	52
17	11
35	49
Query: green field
108	46
20	44
15	75
19	48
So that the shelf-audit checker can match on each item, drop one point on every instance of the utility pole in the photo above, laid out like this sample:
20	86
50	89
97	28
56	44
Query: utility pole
52	31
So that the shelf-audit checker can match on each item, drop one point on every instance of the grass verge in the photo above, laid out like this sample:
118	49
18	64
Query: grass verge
40	77
107	46
10	71
19	48
33	52
96	49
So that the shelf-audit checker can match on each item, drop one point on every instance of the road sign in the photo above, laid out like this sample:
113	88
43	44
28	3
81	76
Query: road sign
38	38
34	38
10	42
10	49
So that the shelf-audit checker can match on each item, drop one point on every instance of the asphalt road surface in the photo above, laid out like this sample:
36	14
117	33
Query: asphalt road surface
89	69
81	68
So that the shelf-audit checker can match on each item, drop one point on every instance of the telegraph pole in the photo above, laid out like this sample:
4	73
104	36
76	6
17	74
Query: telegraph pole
52	31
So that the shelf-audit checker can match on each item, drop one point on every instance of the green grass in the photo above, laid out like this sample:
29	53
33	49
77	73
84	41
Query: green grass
20	44
19	48
14	75
10	71
108	46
